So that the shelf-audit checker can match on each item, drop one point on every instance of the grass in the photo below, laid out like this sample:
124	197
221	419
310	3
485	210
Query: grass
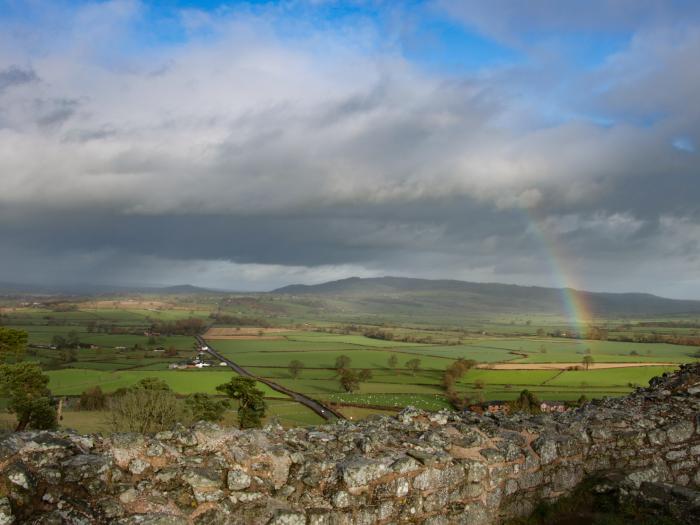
247	346
511	377
424	401
466	351
573	351
611	376
75	381
357	413
360	358
358	340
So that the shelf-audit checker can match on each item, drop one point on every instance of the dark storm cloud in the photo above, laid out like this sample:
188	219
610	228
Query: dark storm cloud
250	159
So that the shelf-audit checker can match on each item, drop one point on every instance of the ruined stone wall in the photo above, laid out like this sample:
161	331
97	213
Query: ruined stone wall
418	467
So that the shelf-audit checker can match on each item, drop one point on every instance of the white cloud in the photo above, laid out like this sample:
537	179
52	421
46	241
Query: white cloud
249	121
402	170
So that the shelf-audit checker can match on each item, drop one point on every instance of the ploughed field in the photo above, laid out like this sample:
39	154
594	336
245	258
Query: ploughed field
117	351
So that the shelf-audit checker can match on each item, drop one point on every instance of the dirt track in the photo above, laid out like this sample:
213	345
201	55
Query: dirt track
564	366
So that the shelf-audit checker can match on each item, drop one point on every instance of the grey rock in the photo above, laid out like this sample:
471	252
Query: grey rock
205	484
20	476
546	448
362	471
681	431
138	466
6	516
286	517
238	479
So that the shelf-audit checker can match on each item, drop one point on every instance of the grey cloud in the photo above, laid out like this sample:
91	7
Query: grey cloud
16	76
55	111
508	20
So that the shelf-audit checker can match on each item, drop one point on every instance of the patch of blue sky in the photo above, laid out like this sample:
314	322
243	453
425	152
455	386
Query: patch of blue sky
685	144
420	32
443	45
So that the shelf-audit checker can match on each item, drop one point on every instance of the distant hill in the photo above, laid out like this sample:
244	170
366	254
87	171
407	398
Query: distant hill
423	295
181	289
97	289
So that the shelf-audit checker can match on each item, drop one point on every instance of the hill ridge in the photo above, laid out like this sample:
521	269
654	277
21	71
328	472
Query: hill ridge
494	296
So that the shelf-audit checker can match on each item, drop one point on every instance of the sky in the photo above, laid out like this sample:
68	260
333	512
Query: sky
250	145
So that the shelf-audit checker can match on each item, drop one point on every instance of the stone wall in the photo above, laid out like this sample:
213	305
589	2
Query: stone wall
417	467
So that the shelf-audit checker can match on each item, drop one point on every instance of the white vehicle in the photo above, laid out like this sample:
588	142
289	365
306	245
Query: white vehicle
205	348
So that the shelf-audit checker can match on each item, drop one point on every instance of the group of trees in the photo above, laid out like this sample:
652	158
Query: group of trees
24	385
349	378
12	343
412	364
386	335
93	399
189	326
151	406
67	345
672	339
452	374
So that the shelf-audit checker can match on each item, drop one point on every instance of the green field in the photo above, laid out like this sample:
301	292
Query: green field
573	351
72	382
121	354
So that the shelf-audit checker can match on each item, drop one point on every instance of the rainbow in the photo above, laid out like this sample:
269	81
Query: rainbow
577	310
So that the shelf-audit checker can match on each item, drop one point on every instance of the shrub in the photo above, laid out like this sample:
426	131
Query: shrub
526	402
145	410
93	399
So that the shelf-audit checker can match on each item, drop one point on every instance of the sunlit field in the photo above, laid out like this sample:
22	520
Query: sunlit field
118	349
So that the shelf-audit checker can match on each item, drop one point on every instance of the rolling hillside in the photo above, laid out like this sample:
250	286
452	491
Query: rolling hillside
422	295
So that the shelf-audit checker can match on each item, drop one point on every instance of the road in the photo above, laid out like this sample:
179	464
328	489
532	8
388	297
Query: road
321	409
